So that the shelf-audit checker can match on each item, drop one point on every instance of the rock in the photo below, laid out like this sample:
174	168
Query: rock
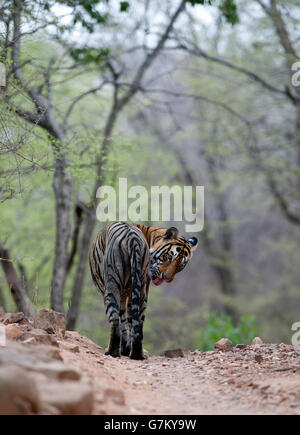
224	345
13	318
241	346
113	395
258	358
30	340
74	348
41	337
196	352
145	353
50	321
68	397
13	331
50	352
26	358
176	353
18	392
256	341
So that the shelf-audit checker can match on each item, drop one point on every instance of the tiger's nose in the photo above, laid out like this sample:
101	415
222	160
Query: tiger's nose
167	277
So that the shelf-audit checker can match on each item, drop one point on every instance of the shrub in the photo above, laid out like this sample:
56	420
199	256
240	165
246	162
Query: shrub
220	325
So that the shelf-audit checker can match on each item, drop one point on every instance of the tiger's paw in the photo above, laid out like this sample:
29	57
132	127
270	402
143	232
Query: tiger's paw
125	350
115	353
137	352
137	356
125	346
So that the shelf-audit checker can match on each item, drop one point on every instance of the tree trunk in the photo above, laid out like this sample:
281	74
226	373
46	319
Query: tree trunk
2	300
90	220
18	292
62	185
73	312
220	264
297	131
223	246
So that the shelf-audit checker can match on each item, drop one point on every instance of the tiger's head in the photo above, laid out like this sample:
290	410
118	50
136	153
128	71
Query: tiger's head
170	253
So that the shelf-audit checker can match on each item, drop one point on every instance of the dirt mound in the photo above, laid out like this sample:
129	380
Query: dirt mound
63	372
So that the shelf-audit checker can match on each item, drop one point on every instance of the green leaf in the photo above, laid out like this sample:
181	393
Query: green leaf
124	6
229	9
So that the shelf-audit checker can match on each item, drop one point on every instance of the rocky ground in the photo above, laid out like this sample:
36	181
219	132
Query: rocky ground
47	370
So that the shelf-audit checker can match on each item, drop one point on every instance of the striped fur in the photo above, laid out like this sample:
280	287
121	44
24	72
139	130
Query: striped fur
119	262
170	252
124	258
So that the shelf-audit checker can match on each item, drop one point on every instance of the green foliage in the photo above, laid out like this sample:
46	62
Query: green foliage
219	326
199	2
89	55
124	6
227	8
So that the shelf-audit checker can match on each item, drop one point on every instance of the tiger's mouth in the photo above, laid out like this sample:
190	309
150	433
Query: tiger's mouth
157	281
157	277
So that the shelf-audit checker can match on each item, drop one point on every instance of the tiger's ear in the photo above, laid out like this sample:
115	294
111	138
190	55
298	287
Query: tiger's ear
194	242
171	233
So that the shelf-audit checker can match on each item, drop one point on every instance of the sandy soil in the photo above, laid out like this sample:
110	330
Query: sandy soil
261	379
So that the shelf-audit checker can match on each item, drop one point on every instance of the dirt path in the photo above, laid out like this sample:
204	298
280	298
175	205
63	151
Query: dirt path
261	379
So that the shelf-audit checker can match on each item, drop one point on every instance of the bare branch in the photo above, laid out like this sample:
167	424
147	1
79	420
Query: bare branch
200	98
18	292
80	97
282	202
151	56
196	51
280	27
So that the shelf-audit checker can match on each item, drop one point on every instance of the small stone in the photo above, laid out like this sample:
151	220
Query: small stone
241	346
224	345
13	318
30	340
74	348
258	358
13	331
256	341
177	353
116	396
145	353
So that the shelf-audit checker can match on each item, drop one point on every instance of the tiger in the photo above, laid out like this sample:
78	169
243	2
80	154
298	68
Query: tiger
124	259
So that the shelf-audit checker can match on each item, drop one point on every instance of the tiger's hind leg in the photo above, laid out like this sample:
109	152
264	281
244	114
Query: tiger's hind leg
125	330
112	303
137	334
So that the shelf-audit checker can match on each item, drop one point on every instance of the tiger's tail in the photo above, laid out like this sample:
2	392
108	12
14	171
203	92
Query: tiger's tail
138	297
